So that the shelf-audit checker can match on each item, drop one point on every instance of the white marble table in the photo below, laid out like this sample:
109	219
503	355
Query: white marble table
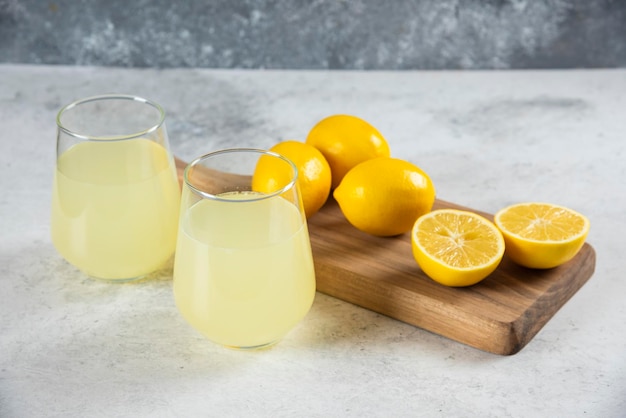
70	346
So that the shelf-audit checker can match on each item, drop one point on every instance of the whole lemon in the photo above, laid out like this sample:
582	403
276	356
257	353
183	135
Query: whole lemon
346	141
314	174
385	196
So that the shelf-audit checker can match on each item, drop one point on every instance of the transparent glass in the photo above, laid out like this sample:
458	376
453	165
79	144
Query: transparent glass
116	194
243	272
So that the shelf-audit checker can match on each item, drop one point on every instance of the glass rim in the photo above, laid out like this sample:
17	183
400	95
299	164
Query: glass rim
103	97
206	195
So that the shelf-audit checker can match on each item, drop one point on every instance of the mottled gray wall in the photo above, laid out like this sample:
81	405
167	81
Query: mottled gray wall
317	34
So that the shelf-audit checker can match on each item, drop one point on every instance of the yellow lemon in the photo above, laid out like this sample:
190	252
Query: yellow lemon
384	196
541	235
346	141
456	247
314	174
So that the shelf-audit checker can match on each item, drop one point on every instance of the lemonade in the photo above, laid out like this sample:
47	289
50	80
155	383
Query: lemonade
243	274
115	207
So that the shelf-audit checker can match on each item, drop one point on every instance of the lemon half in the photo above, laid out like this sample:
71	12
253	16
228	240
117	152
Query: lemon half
542	235
456	247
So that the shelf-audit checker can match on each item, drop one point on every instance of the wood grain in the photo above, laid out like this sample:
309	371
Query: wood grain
500	315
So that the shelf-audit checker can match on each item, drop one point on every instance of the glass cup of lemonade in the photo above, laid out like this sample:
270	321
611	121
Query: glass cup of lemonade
243	272
116	194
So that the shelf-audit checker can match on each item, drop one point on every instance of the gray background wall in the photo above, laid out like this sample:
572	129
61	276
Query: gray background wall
317	34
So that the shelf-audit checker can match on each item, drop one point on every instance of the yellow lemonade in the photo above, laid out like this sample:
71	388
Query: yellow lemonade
243	274
115	207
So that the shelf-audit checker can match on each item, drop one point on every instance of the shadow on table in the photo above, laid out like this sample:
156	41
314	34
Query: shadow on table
334	325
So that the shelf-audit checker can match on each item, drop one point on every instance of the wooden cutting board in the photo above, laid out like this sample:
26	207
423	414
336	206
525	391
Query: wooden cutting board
500	315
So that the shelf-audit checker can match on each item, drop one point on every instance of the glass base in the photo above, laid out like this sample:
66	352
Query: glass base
253	347
165	271
123	280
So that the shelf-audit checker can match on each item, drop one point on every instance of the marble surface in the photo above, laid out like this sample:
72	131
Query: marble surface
321	34
70	346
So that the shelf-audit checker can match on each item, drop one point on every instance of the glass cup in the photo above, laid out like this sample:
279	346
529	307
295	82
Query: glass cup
243	272
116	194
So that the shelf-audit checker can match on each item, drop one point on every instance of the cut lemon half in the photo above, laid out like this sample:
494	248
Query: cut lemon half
456	247
541	235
